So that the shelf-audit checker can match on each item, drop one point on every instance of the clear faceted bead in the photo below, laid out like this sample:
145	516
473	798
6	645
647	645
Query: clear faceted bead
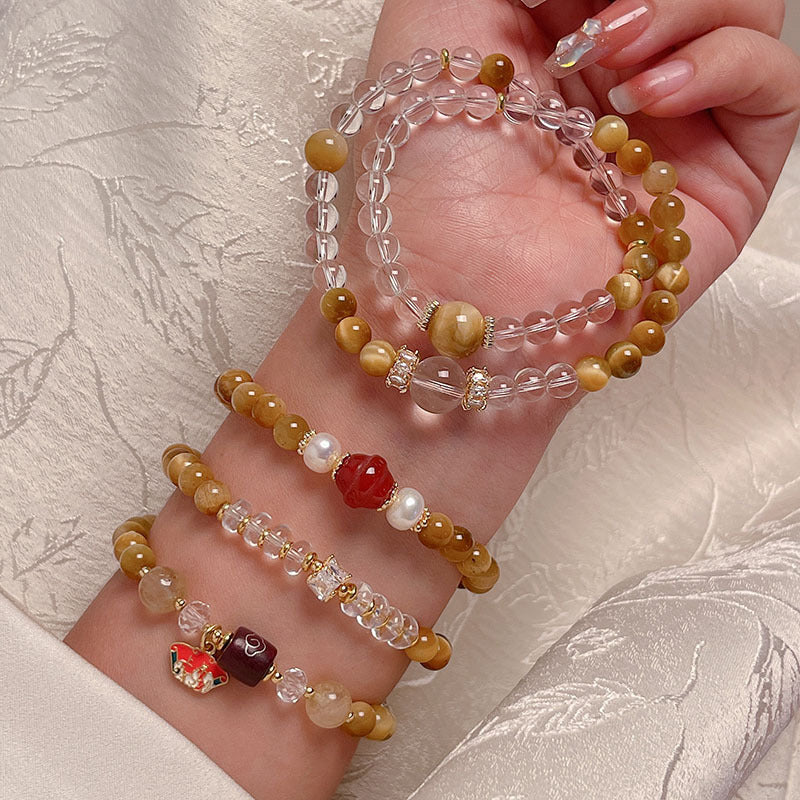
465	63
322	186
322	247
374	218
502	391
193	617
619	203
518	107
274	540
256	525
409	634
550	111
396	77
382	248
509	334
481	102
293	561
540	327
571	317
530	384
561	381
425	64
578	124
391	280
360	603
448	98
378	615
600	305
438	384
378	156
369	96
329	275
372	187
347	118
390	629
394	129
322	216
605	177
293	685
234	514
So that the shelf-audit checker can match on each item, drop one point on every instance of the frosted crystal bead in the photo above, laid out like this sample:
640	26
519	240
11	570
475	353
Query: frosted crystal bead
382	248
578	124
409	635
540	327
347	118
329	704
378	156
481	102
377	616
561	381
426	64
619	203
571	317
448	98
410	300
393	129
369	96
605	177
418	108
321	451
159	588
322	186
509	334
256	525
502	391
600	305
390	629
518	107
374	218
406	509
193	617
438	384
234	514
329	275
293	561
396	77
293	685
322	247
586	155
550	111
274	540
465	63
360	603
525	83
322	216
391	280
530	384
372	187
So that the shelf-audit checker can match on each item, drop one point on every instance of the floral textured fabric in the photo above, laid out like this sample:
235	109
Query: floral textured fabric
152	205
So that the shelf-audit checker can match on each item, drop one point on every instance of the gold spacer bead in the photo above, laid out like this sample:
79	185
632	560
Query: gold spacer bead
317	565
303	443
222	509
277	677
287	546
501	102
488	332
242	525
143	571
347	592
338	464
637	243
270	673
423	520
180	602
445	58
311	556
425	320
309	691
350	717
390	499
261	537
633	271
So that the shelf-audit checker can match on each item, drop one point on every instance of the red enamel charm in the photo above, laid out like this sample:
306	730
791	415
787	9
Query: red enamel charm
195	668
364	481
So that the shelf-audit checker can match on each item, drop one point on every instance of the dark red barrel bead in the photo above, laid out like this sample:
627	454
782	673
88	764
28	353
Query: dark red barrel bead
364	481
247	657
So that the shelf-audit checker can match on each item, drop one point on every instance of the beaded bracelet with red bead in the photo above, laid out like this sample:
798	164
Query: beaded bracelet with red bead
364	481
326	578
242	654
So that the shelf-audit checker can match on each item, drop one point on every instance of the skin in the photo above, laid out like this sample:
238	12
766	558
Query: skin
477	208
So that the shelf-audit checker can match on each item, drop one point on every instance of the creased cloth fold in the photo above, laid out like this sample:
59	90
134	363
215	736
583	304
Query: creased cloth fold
672	686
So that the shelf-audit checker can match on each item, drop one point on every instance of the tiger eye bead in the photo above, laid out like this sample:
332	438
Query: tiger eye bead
456	329
593	373
425	648
459	547
480	584
660	178
443	654
610	133
336	304
326	150
352	333
497	71
177	464
438	532
376	358
626	290
385	723
643	260
129	526
228	381
126	540
636	226
634	157
667	211
135	558
192	475
661	306
244	397
672	245
648	336
268	408
289	430
211	496
672	276
172	451
363	721
624	359
477	562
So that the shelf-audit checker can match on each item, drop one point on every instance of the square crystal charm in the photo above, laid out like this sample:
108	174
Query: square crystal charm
325	582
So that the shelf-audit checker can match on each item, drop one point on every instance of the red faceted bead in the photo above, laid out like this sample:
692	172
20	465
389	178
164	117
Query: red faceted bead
364	481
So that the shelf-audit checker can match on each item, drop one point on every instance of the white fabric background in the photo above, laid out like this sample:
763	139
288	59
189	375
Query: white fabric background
152	203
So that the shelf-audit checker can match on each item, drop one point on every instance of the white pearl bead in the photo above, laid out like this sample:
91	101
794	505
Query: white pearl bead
406	510
321	451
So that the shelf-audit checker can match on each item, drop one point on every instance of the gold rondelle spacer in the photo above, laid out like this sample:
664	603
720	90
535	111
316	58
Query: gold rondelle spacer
287	546
346	592
423	520
501	102
309	691
392	497
308	561
222	509
242	525
350	717
277	677
633	271
270	673
316	566
303	443
445	58
338	464
488	332
180	602
427	314
638	243
143	571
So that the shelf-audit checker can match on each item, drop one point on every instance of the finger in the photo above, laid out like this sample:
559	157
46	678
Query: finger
628	32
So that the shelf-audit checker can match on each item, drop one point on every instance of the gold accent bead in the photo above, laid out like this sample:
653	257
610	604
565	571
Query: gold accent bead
428	312
637	243
501	102
445	58
303	443
390	499
143	571
285	548
488	332
277	677
317	565
309	691
308	561
635	272
338	464
347	592
222	509
270	672
242	525
423	520
180	602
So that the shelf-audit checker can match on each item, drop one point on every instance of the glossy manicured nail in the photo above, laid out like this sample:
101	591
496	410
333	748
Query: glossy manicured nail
612	29
651	86
532	3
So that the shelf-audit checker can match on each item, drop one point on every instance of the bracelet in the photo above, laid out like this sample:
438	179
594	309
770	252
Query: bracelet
326	579
364	480
242	654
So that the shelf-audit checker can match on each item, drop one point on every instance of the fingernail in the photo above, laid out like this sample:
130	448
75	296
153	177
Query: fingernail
612	29
651	85
532	3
